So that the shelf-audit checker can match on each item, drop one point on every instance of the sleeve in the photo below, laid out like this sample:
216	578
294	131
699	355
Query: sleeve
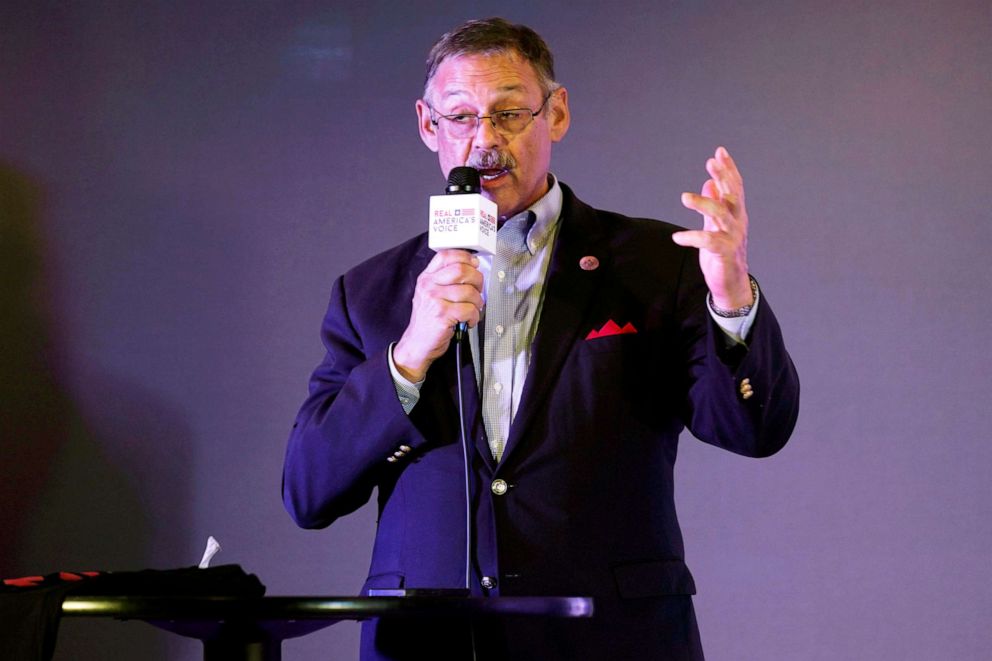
740	397
407	391
735	329
349	427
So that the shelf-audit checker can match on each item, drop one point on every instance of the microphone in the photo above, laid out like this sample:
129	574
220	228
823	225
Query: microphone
460	219
463	219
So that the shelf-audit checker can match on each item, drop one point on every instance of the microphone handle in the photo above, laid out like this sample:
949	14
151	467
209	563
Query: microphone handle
461	328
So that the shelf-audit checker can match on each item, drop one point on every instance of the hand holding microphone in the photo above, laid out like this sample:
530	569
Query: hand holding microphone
449	291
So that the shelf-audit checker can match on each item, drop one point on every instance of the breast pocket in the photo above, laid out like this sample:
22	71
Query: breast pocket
611	343
608	372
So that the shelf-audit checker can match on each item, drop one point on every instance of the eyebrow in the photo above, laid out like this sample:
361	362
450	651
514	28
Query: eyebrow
504	89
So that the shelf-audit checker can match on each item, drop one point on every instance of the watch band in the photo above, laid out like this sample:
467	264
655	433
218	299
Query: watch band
735	312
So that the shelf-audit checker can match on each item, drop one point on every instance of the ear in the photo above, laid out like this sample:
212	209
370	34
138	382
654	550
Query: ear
559	117
428	132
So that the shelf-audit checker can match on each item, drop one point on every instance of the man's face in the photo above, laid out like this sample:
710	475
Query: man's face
514	168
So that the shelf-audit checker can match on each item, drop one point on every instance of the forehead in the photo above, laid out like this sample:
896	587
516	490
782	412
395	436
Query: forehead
482	77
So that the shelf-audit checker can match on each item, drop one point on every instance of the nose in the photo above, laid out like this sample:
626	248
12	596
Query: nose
486	135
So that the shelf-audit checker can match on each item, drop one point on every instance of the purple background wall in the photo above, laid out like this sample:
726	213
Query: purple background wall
180	183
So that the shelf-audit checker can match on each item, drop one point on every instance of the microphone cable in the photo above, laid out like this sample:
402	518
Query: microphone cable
459	336
467	465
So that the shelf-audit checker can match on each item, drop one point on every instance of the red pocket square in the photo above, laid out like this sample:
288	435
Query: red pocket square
611	328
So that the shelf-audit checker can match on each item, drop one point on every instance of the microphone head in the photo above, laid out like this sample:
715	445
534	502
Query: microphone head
463	179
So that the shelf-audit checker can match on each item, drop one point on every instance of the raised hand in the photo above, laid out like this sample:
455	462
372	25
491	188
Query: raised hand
722	242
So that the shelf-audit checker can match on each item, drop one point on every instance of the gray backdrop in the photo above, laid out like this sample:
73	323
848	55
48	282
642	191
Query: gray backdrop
181	181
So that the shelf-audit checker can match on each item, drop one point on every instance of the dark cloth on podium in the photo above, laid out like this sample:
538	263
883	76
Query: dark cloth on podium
31	606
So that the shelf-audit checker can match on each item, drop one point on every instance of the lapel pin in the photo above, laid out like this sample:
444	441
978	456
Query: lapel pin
589	263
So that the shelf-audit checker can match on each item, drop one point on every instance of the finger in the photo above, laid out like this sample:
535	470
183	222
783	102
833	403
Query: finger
728	214
465	312
716	215
710	191
728	180
716	171
701	239
729	163
447	314
734	198
731	170
722	216
435	296
450	256
459	294
458	273
434	316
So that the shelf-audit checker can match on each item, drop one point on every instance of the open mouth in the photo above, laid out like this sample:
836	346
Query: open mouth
491	174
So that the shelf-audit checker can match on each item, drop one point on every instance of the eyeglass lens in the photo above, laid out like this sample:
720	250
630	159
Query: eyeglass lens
508	122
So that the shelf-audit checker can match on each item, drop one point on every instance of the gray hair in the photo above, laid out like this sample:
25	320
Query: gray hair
492	36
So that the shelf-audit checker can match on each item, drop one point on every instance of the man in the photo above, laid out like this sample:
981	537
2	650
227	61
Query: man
594	340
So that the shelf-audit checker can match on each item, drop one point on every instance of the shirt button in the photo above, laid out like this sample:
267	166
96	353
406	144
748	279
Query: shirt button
488	582
499	487
501	275
498	387
499	329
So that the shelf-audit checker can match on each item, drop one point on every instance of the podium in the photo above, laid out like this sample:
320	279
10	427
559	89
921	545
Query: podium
252	629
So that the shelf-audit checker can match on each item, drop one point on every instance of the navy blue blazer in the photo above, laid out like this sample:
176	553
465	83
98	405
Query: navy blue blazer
588	506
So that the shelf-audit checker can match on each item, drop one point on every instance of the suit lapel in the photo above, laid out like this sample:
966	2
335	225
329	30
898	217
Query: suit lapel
474	425
569	290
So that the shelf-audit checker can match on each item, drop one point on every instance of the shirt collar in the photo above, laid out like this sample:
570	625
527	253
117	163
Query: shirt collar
544	216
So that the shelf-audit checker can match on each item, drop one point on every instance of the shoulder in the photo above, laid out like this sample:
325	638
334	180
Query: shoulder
612	221
374	297
623	235
396	257
390	267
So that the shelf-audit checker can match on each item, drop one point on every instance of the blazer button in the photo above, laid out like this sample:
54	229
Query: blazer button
499	487
746	390
488	582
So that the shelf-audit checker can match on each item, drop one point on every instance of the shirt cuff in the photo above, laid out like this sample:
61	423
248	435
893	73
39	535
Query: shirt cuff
407	392
736	328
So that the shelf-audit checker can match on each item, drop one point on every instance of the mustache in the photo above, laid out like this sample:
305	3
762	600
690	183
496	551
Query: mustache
491	160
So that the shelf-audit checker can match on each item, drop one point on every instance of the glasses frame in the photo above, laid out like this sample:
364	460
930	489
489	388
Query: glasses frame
478	118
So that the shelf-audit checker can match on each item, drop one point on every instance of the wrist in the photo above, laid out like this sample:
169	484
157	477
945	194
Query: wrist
412	369
735	306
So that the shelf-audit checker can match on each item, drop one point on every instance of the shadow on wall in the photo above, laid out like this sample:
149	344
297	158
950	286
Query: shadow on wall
35	412
95	480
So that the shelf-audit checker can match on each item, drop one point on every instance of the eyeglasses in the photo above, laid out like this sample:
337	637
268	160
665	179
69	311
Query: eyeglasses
508	122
